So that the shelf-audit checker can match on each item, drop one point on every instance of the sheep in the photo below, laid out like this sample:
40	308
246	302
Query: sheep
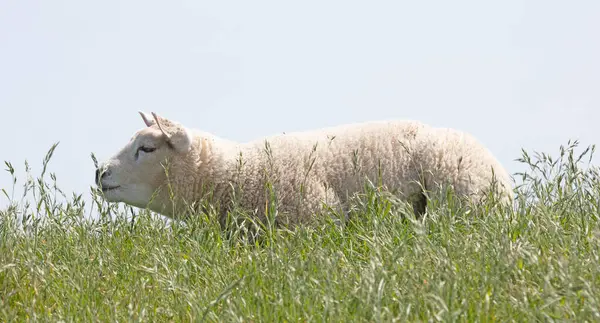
167	167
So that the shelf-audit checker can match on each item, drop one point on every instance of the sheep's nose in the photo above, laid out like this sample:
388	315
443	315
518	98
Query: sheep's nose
100	175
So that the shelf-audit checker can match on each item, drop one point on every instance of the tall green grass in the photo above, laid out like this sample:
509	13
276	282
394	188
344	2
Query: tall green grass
538	261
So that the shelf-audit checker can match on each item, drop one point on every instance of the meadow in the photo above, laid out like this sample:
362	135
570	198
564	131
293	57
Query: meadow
538	261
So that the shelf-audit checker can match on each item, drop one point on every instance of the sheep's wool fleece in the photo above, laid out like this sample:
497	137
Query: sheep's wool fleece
309	169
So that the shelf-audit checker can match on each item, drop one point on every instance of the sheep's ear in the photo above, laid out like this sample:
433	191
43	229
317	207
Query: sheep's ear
181	140
157	120
178	138
147	119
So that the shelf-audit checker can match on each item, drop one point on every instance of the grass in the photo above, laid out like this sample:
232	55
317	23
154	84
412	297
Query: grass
538	262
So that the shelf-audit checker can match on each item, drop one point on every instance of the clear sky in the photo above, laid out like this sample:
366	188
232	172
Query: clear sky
513	73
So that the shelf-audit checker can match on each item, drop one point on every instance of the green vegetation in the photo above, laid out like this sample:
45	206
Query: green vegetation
539	261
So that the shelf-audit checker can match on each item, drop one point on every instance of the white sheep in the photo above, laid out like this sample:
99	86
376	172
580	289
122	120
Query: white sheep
166	163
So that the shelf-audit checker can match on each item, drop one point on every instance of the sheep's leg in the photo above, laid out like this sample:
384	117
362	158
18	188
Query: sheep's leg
313	200
334	206
419	204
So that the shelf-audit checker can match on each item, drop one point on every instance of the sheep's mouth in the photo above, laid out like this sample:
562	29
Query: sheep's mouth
109	188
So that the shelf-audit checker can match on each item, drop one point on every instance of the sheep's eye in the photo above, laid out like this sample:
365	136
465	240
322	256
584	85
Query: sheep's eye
147	149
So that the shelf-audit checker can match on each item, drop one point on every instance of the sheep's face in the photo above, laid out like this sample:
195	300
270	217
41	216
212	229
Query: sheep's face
137	171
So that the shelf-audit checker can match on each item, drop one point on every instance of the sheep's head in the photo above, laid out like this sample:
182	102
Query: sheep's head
135	173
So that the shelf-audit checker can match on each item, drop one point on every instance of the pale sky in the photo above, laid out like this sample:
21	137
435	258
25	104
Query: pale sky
516	74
